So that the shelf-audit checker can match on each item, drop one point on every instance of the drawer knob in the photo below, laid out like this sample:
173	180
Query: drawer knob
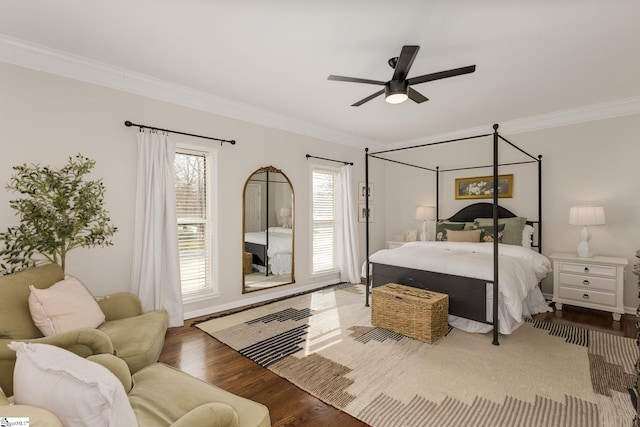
585	282
586	269
585	296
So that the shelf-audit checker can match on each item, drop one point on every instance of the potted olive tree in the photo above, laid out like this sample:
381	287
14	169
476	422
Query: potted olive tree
59	211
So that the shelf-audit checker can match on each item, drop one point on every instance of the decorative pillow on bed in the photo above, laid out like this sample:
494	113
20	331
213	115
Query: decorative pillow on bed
442	227
486	234
464	235
527	236
512	231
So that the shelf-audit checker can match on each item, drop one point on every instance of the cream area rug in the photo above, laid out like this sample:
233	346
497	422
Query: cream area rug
541	375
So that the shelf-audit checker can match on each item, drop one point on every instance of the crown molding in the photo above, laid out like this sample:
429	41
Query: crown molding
41	58
587	113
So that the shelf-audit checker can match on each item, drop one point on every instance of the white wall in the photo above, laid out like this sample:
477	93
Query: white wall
594	162
46	119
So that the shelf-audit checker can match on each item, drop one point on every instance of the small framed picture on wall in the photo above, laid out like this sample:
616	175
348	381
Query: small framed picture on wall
362	212
363	190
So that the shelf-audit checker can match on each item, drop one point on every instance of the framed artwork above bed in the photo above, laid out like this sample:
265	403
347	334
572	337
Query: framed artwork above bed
481	187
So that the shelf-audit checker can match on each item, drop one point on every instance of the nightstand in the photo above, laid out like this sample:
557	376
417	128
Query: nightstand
392	244
596	282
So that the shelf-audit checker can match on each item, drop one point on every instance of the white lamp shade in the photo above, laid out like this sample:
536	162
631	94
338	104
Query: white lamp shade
424	213
587	215
285	212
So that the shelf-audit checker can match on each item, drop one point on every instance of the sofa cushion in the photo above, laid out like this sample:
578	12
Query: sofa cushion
162	394
65	306
78	391
138	340
15	318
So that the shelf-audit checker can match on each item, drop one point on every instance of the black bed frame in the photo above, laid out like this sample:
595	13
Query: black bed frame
467	296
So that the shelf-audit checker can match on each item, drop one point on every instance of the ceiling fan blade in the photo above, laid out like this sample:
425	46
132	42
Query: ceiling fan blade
441	75
416	96
368	98
355	80
405	61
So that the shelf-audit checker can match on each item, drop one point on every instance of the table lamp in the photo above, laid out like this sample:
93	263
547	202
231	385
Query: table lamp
425	213
585	216
285	213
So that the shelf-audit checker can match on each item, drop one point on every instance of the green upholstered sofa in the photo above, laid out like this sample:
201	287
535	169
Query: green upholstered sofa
163	396
135	337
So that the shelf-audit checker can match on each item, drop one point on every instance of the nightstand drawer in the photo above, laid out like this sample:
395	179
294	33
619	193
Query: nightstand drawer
587	296
599	270
589	282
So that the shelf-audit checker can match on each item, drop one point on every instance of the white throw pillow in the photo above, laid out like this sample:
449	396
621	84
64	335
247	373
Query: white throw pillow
64	306
527	235
79	392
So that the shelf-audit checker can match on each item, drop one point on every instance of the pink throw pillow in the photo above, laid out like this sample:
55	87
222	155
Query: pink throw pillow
65	306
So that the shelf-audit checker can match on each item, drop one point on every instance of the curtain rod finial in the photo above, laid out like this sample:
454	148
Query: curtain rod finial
128	124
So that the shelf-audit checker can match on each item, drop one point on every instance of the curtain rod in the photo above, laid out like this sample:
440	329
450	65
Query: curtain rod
129	124
330	160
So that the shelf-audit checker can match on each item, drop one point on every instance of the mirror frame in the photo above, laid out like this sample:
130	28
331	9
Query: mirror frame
270	169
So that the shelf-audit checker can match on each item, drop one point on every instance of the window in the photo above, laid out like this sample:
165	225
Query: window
325	209
192	182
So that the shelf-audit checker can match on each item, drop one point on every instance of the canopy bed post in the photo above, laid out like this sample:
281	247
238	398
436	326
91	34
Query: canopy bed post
540	203
266	229
366	186
495	235
437	193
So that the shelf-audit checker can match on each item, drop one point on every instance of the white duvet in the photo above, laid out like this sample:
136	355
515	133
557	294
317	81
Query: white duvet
519	271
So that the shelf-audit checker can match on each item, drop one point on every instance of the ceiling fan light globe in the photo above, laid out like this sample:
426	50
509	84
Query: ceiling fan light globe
396	91
396	98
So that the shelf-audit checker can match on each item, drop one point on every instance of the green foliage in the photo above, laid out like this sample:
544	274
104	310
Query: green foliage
60	211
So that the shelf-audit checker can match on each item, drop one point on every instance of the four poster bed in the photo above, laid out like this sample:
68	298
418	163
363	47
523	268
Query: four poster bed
490	285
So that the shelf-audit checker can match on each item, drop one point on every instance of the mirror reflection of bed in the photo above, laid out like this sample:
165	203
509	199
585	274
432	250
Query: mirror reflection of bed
268	230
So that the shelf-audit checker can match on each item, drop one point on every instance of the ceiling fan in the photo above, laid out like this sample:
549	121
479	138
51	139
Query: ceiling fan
399	89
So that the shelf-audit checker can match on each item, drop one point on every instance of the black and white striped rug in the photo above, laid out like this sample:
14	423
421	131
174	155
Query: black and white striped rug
541	375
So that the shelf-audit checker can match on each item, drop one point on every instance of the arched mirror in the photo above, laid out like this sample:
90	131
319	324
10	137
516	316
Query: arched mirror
268	225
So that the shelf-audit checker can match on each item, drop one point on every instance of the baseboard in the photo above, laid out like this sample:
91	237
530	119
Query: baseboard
257	300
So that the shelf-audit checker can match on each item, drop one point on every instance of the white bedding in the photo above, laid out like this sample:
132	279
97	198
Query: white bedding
279	251
519	271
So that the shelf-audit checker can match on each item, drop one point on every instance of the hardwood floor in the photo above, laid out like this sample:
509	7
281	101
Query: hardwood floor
193	351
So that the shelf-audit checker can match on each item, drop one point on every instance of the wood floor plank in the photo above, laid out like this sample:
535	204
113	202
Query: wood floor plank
193	351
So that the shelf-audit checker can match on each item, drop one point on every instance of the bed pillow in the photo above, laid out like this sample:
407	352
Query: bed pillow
442	228
64	306
464	235
486	234
79	392
512	231
527	236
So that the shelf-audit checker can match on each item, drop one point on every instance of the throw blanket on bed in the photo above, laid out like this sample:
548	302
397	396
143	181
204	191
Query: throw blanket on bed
519	269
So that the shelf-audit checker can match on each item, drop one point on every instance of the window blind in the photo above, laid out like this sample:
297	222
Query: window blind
324	212
193	221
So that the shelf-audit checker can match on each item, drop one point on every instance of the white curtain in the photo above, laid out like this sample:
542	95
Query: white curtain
348	241
155	275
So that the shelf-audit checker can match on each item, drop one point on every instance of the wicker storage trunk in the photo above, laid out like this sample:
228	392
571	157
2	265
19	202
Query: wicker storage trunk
247	257
413	312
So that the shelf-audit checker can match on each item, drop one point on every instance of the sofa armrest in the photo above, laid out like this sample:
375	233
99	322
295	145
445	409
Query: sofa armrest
119	306
83	342
209	415
117	366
